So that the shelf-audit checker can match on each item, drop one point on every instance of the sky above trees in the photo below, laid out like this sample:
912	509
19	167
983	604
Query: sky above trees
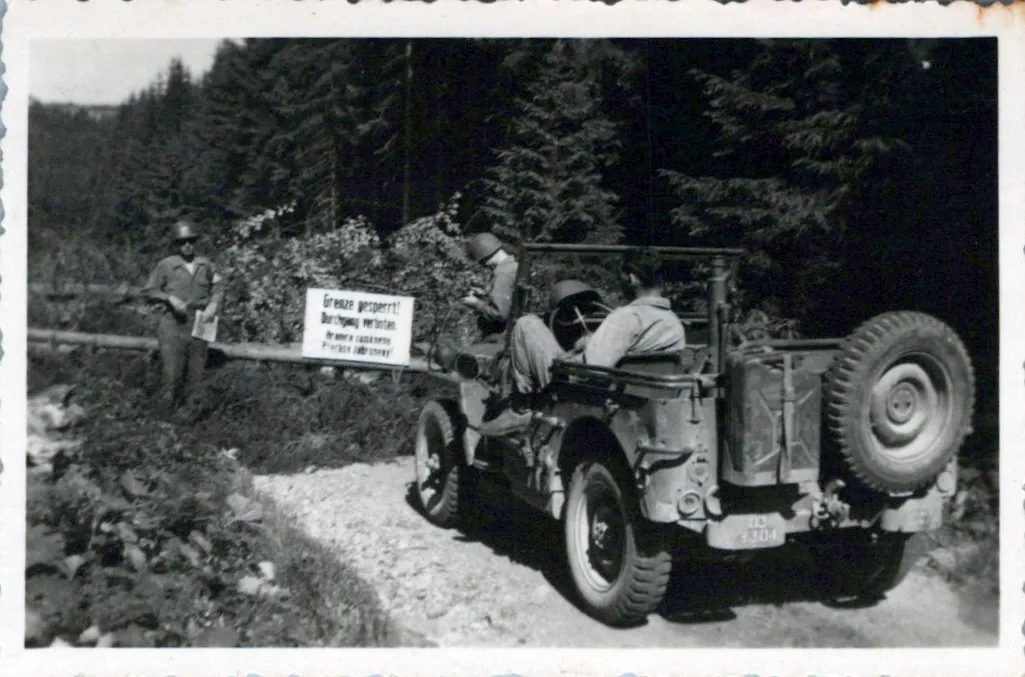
108	72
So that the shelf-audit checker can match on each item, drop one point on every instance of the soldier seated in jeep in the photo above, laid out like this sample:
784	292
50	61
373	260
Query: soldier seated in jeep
576	310
494	303
646	324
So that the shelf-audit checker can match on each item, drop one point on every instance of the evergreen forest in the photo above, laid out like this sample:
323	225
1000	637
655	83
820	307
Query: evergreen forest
859	174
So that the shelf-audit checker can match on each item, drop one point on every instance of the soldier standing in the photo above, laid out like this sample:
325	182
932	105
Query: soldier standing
189	290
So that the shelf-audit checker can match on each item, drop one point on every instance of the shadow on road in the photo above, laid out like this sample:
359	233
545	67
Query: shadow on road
699	592
515	531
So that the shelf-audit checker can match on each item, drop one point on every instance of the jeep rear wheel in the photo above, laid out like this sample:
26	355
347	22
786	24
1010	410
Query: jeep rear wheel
618	563
899	400
441	484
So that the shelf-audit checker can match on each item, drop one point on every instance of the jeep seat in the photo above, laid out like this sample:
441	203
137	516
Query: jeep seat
690	360
652	363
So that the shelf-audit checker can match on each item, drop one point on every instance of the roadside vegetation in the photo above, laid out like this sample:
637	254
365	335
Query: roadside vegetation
966	550
148	533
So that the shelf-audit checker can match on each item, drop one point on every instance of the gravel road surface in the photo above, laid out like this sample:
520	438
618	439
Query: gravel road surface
504	583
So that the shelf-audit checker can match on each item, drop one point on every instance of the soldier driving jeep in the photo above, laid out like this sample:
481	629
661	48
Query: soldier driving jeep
646	324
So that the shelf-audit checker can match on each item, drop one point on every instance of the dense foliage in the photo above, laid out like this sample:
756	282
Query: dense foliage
425	259
801	135
148	534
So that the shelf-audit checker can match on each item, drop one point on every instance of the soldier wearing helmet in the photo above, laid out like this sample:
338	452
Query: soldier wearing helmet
646	324
189	292
576	311
494	303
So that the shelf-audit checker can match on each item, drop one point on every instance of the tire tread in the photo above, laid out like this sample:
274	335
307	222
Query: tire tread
448	512
648	573
843	381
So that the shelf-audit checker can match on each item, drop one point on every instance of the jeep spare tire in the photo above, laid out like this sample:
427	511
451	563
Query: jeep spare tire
899	399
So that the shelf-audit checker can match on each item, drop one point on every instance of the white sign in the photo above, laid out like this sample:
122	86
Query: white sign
357	326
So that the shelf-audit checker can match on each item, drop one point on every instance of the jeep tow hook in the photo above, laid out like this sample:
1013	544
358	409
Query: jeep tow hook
829	511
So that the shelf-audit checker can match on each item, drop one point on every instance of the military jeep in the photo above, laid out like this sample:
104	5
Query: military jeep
843	448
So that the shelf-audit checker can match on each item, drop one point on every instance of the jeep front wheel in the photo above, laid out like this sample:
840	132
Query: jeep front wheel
619	564
440	484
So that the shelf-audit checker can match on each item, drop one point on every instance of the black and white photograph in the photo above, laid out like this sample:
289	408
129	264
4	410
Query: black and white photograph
465	341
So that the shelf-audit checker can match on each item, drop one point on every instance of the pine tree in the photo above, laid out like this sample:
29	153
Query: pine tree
240	118
293	126
154	152
547	184
331	121
68	165
801	134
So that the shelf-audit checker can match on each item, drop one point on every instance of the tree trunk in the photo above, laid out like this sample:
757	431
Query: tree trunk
407	132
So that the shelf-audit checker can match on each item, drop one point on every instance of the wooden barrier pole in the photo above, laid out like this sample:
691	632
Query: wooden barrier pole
240	351
97	340
73	290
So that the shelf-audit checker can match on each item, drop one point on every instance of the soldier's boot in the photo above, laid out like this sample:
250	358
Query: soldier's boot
509	421
515	417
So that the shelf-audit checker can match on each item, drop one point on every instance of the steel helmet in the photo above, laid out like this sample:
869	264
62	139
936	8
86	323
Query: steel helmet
184	230
576	310
565	289
482	246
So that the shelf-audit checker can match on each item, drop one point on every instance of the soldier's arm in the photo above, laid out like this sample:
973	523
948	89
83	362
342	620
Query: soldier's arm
154	287
216	293
493	306
486	307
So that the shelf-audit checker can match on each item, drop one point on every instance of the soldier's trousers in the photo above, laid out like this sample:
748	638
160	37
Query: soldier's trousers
182	357
533	349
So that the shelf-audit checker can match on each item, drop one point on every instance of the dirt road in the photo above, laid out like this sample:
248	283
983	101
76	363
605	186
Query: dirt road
504	583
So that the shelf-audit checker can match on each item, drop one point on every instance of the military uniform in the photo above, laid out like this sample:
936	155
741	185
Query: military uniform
647	324
494	312
494	305
182	356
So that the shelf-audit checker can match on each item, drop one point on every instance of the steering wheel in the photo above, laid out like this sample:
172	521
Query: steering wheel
575	317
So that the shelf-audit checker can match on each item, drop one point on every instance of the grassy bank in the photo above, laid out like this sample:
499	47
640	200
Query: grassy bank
148	533
285	418
966	550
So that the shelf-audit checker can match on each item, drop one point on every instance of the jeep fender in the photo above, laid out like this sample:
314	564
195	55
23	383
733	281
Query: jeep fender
585	436
588	436
469	397
669	445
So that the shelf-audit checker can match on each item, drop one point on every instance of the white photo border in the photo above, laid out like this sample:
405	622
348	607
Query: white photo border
31	19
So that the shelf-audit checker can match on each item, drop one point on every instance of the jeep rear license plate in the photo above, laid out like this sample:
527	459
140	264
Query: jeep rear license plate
746	532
